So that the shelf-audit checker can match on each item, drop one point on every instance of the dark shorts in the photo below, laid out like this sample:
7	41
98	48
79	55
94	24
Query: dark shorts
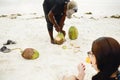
46	11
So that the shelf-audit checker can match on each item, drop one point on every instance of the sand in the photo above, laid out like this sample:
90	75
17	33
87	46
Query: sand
28	30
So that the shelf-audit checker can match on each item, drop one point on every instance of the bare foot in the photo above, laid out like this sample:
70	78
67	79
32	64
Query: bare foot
72	77
53	42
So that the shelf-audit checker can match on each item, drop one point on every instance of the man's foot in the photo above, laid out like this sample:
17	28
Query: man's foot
53	42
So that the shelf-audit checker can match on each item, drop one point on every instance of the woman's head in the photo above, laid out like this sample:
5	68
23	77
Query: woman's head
106	51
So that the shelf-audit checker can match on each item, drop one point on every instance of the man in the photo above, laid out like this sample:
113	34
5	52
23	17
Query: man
55	14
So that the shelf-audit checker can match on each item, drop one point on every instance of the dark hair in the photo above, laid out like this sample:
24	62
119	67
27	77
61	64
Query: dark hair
107	53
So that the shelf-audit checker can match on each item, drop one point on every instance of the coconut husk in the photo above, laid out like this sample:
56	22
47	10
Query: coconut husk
27	53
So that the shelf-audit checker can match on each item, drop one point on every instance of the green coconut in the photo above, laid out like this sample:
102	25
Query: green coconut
73	33
59	39
30	53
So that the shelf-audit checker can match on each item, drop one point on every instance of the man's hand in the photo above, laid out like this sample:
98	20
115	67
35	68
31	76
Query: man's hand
64	33
57	28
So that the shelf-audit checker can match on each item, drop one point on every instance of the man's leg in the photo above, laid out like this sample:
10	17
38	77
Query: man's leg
49	24
50	31
51	37
58	19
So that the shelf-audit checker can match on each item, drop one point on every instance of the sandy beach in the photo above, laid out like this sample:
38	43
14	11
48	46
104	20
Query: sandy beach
27	27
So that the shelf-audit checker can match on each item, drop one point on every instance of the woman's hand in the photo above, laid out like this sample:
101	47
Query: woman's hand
81	71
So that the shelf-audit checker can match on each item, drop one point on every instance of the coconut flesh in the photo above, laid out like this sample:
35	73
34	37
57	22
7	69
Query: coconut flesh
59	39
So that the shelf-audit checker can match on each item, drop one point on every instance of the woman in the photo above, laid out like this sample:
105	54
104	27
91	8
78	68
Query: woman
105	58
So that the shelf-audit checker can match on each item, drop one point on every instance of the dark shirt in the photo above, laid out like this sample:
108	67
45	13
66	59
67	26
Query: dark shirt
57	6
100	76
118	75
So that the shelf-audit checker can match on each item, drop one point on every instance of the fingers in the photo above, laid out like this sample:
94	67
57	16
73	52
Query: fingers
81	71
57	28
64	33
81	67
